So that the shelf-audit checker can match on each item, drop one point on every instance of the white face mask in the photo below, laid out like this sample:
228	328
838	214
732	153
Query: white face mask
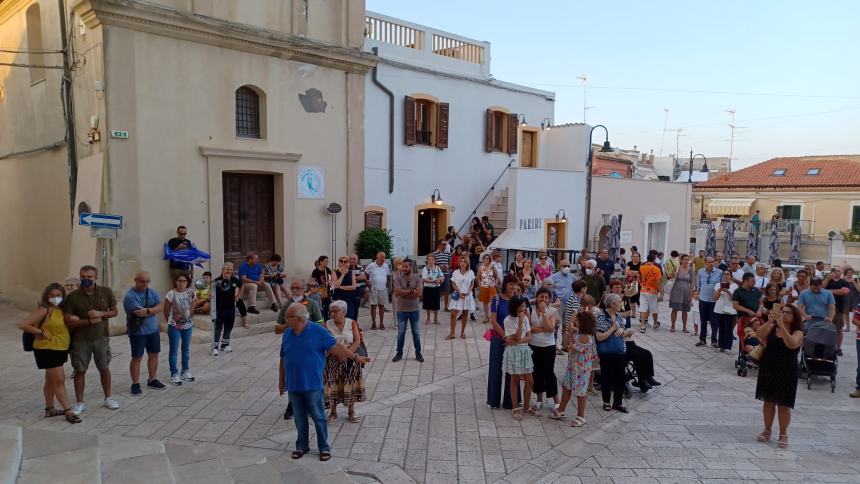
298	298
565	270
588	271
55	300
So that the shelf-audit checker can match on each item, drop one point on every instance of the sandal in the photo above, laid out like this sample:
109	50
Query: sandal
578	422
53	412
642	329
517	413
352	418
607	407
450	336
763	437
71	417
463	336
246	324
332	418
672	330
782	443
533	411
297	454
325	456
556	415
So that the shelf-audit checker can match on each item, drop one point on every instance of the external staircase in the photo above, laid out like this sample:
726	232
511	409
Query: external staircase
498	213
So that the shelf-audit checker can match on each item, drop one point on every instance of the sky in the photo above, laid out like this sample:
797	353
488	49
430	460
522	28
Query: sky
789	69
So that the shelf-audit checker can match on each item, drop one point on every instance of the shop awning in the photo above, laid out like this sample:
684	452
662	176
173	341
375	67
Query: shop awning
730	206
513	239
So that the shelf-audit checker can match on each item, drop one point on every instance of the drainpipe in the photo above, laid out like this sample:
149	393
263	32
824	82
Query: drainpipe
390	123
69	111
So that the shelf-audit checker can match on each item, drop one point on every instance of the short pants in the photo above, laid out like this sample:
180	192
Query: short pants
150	342
648	303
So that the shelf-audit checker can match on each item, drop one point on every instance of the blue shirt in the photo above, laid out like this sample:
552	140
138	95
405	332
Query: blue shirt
304	357
135	300
499	306
561	284
706	281
251	272
816	305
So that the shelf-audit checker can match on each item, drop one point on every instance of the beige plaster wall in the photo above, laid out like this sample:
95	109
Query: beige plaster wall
174	105
34	188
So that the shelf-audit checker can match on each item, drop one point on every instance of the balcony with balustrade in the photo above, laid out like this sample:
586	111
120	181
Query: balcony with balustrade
407	42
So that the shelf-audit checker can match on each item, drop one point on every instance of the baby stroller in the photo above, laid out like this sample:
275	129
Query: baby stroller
749	346
818	353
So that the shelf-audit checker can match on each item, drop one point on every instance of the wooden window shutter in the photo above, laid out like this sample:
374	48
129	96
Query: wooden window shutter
513	132
488	135
442	126
409	121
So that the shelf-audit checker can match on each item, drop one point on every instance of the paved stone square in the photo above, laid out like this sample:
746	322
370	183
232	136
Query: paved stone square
431	420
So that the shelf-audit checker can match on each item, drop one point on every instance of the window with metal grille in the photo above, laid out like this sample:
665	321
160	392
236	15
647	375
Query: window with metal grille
247	113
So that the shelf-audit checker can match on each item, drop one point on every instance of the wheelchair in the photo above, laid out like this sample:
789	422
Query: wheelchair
631	379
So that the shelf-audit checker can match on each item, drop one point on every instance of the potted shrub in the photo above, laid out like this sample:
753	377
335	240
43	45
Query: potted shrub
371	241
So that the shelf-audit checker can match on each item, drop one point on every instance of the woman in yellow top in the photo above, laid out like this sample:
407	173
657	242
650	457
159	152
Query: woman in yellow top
51	348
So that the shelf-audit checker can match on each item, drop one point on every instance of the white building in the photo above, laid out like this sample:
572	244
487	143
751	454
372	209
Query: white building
437	120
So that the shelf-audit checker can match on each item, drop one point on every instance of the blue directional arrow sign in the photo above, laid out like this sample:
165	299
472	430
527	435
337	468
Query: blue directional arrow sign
101	220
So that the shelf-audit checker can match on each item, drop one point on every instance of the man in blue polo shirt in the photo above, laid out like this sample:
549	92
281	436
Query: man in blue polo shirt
251	275
816	302
303	353
141	304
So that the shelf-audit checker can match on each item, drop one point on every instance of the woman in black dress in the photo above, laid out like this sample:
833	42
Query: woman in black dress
777	375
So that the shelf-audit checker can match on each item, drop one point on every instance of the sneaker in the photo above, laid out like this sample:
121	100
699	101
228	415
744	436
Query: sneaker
227	349
79	408
274	307
186	375
472	317
253	310
214	352
397	357
419	357
111	403
175	379
700	343
155	384
855	394
135	389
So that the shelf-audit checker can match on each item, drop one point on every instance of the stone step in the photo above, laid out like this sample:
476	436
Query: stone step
10	453
59	457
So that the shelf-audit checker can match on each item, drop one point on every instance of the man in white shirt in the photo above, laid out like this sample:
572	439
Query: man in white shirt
736	270
377	283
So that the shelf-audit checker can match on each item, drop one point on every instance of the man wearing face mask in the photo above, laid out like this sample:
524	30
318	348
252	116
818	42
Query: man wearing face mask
595	283
86	312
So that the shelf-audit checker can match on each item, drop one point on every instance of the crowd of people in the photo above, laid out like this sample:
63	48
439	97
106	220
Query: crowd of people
534	311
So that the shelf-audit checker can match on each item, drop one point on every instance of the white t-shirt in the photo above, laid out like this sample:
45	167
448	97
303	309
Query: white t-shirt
738	274
724	303
378	275
761	281
541	339
511	323
463	281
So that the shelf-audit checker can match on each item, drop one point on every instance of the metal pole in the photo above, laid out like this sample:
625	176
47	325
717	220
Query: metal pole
588	165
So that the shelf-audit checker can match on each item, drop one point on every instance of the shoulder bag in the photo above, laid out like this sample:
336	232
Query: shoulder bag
27	339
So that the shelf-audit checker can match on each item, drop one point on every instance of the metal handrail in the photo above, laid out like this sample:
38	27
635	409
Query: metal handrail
493	187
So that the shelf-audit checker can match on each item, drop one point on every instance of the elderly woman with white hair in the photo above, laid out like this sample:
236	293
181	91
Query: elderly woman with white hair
612	353
342	380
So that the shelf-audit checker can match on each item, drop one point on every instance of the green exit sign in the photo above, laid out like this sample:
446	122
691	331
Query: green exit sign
119	134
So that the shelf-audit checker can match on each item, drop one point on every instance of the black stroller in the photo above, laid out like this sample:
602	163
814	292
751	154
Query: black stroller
818	353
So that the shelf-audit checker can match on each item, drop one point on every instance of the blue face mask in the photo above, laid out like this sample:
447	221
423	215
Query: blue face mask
87	283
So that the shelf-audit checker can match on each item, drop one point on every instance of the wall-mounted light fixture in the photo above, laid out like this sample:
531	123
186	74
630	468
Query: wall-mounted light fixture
561	216
436	197
522	118
546	124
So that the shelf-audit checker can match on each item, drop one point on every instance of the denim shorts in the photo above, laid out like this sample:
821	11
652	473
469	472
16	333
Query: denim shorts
150	342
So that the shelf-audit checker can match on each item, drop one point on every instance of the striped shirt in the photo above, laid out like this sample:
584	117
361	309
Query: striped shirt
443	259
571	307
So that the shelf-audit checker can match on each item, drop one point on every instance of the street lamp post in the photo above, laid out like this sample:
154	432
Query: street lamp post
606	148
704	166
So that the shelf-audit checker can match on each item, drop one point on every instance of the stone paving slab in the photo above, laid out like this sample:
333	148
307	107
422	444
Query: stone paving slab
429	423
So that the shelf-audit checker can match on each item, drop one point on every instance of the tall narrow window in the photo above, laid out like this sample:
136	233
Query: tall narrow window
247	113
423	130
35	44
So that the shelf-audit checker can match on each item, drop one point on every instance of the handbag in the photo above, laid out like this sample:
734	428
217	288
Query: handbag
133	322
631	289
27	339
613	345
488	334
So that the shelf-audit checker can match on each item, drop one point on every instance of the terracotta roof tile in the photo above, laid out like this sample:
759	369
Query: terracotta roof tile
835	174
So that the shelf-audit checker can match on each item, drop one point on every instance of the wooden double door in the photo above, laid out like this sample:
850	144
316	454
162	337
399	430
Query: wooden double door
249	216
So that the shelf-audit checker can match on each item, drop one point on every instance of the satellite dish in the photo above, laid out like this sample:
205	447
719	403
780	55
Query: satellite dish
831	234
333	208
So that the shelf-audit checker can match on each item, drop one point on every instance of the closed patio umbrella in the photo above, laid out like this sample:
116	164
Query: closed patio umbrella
730	239
711	240
613	238
752	240
794	254
774	243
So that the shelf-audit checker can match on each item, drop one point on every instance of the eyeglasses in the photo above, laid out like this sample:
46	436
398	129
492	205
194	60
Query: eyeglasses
786	311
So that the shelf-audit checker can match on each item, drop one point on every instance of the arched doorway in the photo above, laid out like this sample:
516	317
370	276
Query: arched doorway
601	237
430	227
